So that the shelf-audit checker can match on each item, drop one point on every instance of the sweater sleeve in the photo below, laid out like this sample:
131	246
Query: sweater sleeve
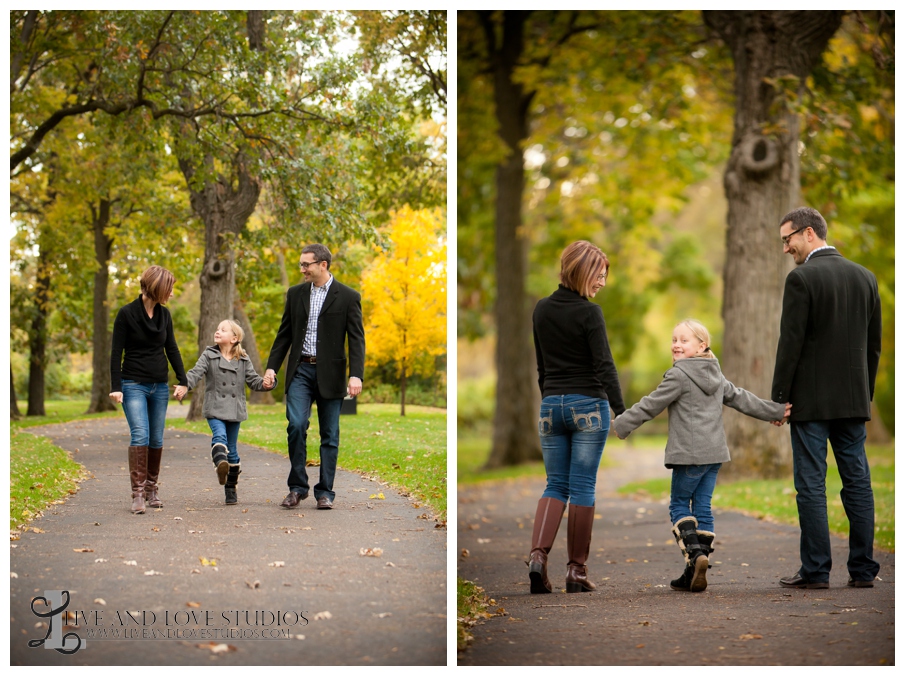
116	352
750	404
603	363
173	354
650	406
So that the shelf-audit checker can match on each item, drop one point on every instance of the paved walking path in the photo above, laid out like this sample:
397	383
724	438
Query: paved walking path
634	618
336	606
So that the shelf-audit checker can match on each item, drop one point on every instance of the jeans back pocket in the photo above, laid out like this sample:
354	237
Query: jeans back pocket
545	422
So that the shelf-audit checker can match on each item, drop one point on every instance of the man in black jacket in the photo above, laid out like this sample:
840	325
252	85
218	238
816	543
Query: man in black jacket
320	315
826	366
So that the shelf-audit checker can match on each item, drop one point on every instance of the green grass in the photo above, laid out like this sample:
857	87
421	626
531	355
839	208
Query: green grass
471	605
407	452
59	412
39	473
775	499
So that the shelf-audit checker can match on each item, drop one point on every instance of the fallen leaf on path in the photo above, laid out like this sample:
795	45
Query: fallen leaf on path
207	562
12	574
749	637
277	564
640	645
131	563
383	615
253	585
156	529
323	615
100	602
378	496
390	564
192	604
153	572
36	530
83	550
177	518
217	648
483	541
465	553
195	571
300	637
367	551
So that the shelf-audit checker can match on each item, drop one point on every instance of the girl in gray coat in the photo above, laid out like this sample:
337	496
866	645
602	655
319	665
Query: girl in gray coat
695	390
228	370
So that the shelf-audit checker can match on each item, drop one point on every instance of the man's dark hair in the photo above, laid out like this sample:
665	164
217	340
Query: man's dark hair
806	217
322	253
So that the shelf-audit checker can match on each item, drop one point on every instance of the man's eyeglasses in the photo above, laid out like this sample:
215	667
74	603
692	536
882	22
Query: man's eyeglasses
785	240
305	266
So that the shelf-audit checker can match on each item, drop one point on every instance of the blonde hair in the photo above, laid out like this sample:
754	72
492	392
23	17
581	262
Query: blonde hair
701	333
580	263
237	350
157	284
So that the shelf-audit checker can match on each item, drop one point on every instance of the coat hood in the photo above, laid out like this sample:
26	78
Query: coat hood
703	372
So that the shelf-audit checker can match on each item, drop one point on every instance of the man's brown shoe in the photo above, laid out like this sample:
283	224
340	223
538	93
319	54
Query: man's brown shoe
324	502
798	582
860	583
292	500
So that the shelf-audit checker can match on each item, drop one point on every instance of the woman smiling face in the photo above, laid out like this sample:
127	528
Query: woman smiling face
598	281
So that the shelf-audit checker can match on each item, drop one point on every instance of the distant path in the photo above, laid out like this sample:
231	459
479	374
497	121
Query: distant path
389	610
634	618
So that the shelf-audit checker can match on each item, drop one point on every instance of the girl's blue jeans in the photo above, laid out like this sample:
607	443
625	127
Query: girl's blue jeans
145	406
226	432
573	430
692	492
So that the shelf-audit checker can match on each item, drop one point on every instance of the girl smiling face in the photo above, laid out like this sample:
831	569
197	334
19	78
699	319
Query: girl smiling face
685	344
224	336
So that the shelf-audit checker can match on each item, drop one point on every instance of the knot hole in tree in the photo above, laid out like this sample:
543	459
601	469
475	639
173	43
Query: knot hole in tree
217	268
759	154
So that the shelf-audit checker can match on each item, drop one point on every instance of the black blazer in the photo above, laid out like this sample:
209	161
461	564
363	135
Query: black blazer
829	340
340	318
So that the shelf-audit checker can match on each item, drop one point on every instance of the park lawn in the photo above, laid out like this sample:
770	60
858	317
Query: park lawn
408	452
59	412
471	606
39	473
775	499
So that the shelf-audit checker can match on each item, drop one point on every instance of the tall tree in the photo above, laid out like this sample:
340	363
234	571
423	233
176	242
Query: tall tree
772	50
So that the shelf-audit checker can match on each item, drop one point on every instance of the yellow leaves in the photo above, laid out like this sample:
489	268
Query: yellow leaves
207	562
377	496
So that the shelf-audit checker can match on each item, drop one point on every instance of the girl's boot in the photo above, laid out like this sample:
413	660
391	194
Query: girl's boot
138	474
546	524
151	499
229	488
218	457
696	561
581	522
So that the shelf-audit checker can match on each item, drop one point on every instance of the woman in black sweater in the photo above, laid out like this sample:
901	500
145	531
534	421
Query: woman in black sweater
579	386
143	329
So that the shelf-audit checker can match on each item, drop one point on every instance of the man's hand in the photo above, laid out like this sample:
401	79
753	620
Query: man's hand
785	418
354	386
117	397
269	378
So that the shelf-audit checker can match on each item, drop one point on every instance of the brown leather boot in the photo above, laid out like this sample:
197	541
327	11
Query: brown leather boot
154	455
546	525
581	522
138	473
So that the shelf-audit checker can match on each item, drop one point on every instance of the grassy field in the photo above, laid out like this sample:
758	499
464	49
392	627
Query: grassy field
407	452
775	499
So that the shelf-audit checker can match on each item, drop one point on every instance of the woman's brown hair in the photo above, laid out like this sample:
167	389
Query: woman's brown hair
580	264
157	284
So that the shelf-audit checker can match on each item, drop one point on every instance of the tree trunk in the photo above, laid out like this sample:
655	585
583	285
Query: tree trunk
251	347
14	413
515	437
37	338
100	377
762	183
224	208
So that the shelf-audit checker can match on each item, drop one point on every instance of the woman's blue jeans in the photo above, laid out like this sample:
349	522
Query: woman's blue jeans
145	406
573	430
226	432
692	492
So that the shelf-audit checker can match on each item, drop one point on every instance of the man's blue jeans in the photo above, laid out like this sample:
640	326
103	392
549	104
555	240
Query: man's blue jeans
145	406
573	430
226	432
809	459
692	492
302	393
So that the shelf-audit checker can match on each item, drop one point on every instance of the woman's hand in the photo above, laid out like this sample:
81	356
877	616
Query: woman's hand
117	397
179	391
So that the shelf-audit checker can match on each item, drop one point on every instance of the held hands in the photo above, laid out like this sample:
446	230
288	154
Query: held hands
785	418
354	386
269	379
179	391
117	397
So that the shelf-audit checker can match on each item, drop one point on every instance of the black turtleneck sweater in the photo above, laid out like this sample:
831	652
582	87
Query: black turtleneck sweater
573	353
148	343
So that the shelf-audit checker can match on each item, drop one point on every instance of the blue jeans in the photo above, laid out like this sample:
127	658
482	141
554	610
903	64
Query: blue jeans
145	406
692	492
809	461
573	430
302	393
226	432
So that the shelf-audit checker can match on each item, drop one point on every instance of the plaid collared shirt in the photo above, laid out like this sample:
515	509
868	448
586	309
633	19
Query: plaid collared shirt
816	250
318	295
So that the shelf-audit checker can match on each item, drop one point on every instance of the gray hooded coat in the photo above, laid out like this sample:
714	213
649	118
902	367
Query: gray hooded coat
695	390
224	387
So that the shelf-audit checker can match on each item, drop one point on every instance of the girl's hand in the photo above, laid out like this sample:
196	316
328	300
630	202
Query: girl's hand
117	397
